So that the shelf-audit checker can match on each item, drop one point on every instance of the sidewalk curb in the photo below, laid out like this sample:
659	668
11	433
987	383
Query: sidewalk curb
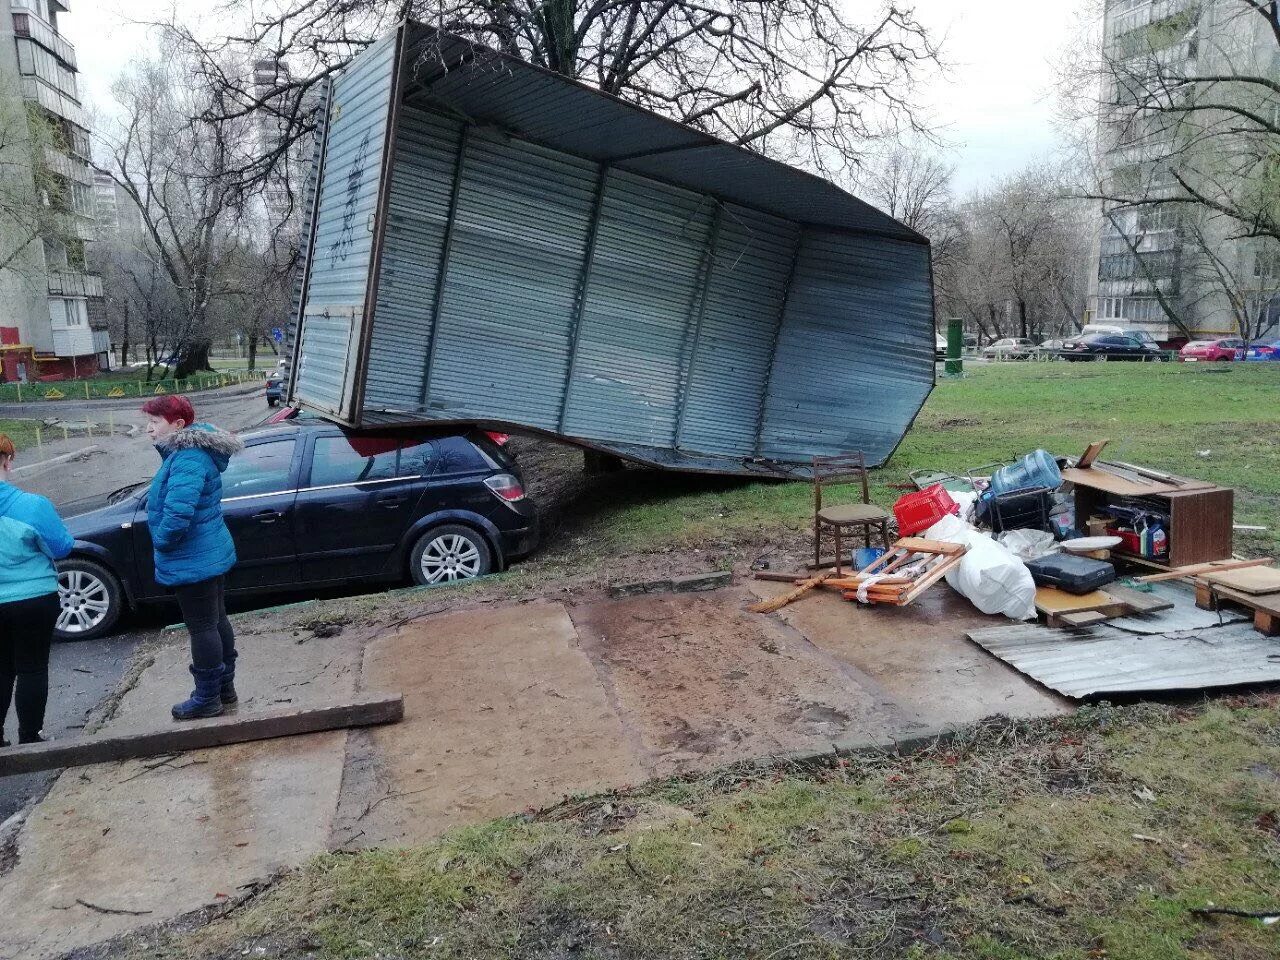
35	469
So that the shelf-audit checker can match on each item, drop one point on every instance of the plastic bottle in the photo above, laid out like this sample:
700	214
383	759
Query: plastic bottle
1159	540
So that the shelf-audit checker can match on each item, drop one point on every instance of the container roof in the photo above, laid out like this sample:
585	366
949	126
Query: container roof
447	73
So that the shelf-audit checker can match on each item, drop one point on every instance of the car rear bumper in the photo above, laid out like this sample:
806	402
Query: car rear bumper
520	542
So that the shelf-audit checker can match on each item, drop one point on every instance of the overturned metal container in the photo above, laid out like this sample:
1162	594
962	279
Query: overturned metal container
493	243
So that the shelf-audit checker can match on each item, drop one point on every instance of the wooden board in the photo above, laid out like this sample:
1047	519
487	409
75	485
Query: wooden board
1051	600
1265	607
362	710
1091	454
1082	618
1203	569
1251	580
1138	601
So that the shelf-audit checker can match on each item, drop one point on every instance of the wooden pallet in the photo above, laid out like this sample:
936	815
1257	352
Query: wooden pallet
1265	607
1062	609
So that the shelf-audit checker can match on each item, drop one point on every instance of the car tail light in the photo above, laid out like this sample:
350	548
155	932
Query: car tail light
506	486
499	438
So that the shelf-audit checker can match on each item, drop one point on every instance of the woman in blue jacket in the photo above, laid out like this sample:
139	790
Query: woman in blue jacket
32	537
192	547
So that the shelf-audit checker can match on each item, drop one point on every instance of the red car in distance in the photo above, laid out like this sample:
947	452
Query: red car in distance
1223	348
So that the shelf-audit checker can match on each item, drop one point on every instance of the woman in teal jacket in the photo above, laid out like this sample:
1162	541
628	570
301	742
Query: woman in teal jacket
32	537
191	544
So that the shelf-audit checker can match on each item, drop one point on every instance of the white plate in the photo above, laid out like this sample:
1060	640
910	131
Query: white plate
1089	544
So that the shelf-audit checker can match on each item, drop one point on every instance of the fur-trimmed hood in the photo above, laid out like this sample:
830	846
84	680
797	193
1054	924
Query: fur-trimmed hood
219	444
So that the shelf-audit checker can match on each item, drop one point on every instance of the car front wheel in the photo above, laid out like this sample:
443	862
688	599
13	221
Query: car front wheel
90	597
450	553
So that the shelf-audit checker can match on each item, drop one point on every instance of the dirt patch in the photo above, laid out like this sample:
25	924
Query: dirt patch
696	680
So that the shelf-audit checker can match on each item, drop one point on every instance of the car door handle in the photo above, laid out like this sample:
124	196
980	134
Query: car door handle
267	516
390	503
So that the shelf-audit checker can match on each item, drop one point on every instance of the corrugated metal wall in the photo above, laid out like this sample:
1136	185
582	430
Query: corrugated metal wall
855	357
505	321
417	214
640	297
730	369
340	261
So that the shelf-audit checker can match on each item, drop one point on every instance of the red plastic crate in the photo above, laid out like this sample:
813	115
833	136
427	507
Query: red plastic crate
920	511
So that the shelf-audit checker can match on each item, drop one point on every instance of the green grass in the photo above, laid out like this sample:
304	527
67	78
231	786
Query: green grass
23	435
1159	415
1083	837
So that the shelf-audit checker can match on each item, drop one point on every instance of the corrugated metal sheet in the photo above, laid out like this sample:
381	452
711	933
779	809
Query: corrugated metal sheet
1182	617
308	203
649	258
521	229
1102	659
341	254
570	116
730	369
417	214
854	361
532	277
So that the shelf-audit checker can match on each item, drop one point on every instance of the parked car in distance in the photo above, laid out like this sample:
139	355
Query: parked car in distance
1222	348
939	347
1050	348
1265	350
1010	348
275	388
1109	346
311	504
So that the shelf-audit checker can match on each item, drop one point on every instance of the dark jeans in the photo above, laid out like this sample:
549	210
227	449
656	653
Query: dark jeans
204	609
26	630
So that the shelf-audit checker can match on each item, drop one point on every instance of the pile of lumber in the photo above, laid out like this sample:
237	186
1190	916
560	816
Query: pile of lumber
911	567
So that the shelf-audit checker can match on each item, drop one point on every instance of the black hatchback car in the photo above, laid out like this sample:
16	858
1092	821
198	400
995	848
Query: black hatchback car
311	504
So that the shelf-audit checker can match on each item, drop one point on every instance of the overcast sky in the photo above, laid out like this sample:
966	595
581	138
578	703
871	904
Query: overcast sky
995	107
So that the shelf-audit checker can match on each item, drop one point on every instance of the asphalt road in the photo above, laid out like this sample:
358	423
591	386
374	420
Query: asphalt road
82	673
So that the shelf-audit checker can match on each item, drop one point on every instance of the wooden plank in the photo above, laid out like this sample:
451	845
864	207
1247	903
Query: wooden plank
1138	601
780	576
1051	600
1199	569
777	603
1097	478
362	710
1248	580
1081	618
1091	454
920	545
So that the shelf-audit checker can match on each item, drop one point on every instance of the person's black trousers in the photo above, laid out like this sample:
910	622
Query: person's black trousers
26	631
204	609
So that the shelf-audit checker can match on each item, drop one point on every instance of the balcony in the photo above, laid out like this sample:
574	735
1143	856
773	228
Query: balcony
29	25
52	99
72	283
69	167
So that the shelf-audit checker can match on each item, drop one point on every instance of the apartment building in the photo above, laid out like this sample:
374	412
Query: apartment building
1155	258
47	297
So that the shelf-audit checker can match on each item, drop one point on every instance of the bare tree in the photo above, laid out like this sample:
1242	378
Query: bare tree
1020	258
800	80
181	175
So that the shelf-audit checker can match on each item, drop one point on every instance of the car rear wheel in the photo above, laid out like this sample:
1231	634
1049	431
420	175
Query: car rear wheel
450	553
90	598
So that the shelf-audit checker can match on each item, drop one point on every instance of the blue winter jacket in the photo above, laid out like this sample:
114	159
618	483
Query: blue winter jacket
184	506
32	536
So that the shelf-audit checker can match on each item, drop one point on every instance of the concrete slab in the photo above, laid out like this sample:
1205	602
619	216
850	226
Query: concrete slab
918	656
503	712
700	682
162	837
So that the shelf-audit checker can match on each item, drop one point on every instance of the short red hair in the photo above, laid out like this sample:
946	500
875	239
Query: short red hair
172	408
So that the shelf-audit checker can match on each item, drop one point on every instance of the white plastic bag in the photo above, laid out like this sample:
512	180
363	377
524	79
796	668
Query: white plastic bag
989	575
1029	544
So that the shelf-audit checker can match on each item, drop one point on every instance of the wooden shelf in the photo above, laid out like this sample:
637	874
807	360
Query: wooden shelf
1200	515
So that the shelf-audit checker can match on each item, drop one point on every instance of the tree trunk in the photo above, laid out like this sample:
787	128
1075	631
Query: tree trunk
253	352
192	358
124	338
1022	318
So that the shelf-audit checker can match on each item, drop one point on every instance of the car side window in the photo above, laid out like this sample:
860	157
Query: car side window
360	459
457	455
260	468
1129	342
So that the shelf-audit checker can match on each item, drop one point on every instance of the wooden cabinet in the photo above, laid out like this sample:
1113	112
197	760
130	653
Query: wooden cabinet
1200	514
